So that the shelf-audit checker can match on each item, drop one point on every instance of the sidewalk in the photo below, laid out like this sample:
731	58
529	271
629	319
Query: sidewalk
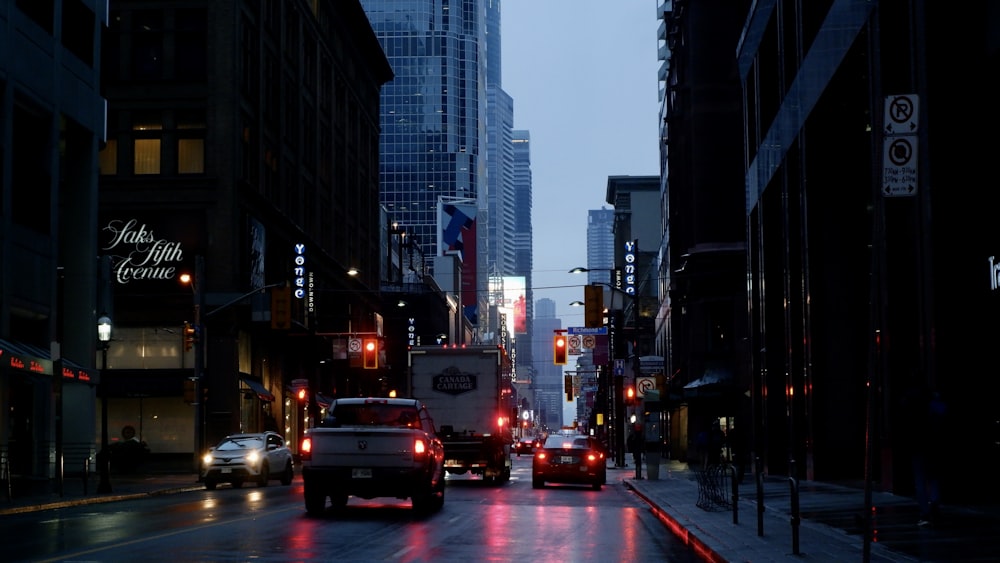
43	494
831	522
830	529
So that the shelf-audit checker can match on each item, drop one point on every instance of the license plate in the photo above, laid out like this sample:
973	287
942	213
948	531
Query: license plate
227	469
566	459
452	462
363	473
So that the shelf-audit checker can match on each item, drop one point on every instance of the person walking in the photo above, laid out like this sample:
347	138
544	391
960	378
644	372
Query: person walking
635	444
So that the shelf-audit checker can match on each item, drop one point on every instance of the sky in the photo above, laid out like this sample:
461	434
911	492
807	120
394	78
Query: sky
582	74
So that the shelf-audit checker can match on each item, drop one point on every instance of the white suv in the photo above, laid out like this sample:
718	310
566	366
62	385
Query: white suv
257	457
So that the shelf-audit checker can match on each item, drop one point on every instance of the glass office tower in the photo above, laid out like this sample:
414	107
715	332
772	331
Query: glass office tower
433	112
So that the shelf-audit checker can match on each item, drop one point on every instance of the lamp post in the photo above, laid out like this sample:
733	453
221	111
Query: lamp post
197	290
104	456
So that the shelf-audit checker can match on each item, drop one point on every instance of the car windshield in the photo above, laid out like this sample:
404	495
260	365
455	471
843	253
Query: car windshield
240	444
557	441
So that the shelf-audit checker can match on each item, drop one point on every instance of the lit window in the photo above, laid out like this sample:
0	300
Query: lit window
191	143
108	158
190	156
147	145
147	156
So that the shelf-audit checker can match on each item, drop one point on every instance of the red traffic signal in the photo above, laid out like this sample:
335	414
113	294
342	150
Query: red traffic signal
302	394
369	353
189	336
630	395
559	350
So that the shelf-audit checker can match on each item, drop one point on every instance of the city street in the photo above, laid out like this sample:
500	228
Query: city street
512	522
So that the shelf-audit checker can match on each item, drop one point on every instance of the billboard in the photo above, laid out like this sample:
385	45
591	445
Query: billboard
516	304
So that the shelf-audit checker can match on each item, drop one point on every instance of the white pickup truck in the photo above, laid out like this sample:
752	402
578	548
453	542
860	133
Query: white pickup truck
373	447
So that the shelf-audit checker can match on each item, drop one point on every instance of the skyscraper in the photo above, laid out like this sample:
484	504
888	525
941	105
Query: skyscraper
548	382
433	114
433	141
600	245
521	237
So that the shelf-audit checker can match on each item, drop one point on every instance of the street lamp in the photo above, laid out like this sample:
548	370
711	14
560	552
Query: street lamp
104	456
197	291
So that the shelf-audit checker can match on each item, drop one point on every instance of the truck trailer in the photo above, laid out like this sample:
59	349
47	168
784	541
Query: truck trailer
469	390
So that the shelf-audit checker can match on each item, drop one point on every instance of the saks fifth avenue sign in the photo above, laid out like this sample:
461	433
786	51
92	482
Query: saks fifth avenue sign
138	255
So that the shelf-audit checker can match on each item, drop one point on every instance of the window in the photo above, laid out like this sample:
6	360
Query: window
42	12
191	44
78	30
31	173
147	131
107	158
147	45
191	143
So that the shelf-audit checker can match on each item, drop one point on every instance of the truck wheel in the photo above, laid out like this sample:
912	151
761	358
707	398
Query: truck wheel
315	503
437	500
265	475
429	500
338	500
287	474
421	502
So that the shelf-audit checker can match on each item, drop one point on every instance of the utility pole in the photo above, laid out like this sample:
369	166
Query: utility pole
198	289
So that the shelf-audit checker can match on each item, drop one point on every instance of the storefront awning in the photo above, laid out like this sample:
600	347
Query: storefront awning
24	357
20	356
714	382
261	391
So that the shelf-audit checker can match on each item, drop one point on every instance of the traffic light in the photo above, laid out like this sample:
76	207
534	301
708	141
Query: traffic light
559	350
593	306
630	395
369	353
568	384
190	335
303	394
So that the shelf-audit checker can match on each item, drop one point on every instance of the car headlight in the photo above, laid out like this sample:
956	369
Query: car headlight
207	459
253	457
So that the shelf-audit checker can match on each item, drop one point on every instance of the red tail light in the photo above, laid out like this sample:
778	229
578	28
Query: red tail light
419	448
305	451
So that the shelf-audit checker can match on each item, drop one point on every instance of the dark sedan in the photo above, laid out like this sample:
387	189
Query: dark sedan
526	445
569	459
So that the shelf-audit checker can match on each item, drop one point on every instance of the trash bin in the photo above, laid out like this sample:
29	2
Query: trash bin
652	461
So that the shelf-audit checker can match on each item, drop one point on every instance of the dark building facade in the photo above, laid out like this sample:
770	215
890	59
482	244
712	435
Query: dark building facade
870	270
51	124
701	321
242	148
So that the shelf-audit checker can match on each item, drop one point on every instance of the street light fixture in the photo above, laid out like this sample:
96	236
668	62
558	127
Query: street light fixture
104	456
197	290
